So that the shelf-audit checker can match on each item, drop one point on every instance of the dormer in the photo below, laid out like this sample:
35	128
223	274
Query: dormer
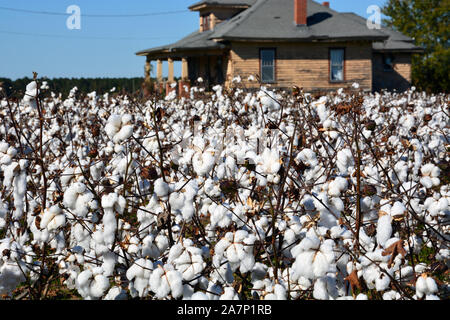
213	12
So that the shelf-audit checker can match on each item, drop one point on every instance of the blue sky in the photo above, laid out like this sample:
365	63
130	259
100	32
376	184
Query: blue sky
103	47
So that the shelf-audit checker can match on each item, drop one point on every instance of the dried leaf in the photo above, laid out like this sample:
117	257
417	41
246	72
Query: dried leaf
354	281
393	250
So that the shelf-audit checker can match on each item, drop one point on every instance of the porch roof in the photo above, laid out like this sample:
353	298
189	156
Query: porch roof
194	41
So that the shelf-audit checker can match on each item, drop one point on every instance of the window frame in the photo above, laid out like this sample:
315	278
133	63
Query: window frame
274	64
206	22
330	68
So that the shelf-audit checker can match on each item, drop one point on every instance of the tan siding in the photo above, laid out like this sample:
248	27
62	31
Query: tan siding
305	64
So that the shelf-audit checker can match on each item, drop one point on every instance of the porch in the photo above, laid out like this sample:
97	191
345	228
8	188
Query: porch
211	66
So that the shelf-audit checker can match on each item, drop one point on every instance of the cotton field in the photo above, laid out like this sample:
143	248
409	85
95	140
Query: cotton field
233	195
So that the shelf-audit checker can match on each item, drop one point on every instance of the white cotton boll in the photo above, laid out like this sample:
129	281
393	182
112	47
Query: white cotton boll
176	200
136	270
391	295
116	293
221	216
427	182
320	290
84	277
109	262
229	294
161	188
113	125
159	284
398	209
337	186
99	286
176	283
382	282
188	211
421	287
199	296
384	229
109	200
203	162
362	296
432	286
344	160
124	133
302	266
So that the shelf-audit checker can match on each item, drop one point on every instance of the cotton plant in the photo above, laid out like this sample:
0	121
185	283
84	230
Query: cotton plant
138	276
165	280
267	290
119	127
313	258
181	208
237	248
426	287
92	284
187	259
430	175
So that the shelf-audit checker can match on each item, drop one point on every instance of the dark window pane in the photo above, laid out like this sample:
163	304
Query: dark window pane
267	65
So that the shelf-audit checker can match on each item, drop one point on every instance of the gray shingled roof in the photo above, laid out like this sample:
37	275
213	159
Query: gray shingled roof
274	20
194	41
397	41
224	3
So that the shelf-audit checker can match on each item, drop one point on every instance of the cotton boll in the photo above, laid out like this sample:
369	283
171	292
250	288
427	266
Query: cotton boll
229	294
337	186
164	280
391	295
99	286
161	188
113	125
313	259
344	160
398	209
382	282
199	296
320	290
203	162
116	293
124	133
432	286
384	229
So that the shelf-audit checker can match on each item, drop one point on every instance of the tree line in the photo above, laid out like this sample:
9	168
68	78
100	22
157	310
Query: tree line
64	85
426	21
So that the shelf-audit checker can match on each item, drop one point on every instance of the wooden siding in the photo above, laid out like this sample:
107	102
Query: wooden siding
399	78
304	64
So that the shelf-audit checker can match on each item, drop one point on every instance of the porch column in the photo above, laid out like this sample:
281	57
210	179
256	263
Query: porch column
147	69
170	77
184	69
159	73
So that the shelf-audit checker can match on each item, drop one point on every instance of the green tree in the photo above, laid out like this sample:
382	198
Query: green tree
426	21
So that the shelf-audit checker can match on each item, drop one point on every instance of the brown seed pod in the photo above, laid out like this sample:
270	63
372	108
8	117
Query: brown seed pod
369	190
37	222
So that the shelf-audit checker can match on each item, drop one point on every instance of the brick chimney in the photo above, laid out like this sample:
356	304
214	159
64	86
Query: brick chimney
326	4
300	12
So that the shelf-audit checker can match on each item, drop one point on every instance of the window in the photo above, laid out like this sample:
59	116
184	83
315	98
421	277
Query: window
205	22
388	62
267	61
337	64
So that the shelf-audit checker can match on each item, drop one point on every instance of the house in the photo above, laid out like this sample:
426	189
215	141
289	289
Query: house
285	43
